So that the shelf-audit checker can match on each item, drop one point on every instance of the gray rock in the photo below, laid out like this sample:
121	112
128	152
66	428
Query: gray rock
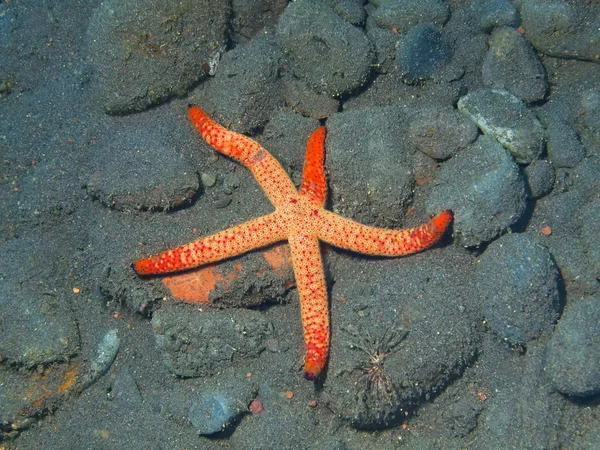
540	177
591	233
590	108
239	92
105	354
350	10
200	344
385	42
502	115
37	323
251	17
573	363
125	390
402	15
441	132
370	164
285	136
511	64
585	176
422	52
525	300
150	173
494	13
485	189
563	213
522	412
563	145
324	50
404	339
318	105
217	411
563	29
146	52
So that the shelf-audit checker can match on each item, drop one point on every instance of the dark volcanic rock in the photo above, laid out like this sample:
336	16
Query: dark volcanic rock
370	164
511	64
324	50
202	343
404	340
146	52
485	189
573	358
525	300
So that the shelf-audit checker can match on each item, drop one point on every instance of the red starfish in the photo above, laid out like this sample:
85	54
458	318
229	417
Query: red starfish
299	217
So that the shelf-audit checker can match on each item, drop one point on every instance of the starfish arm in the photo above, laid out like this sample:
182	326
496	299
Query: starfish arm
350	235
267	171
314	183
232	242
312	290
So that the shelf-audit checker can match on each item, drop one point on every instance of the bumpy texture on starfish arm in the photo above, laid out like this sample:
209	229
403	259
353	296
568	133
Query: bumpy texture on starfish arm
300	218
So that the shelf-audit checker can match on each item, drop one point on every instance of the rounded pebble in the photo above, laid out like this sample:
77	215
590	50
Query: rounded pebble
208	179
540	177
422	52
523	298
511	63
574	356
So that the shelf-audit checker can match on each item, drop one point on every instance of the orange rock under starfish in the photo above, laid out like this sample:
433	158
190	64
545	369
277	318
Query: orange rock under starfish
301	219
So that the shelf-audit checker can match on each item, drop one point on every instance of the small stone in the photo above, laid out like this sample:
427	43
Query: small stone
540	177
208	179
106	353
214	412
222	202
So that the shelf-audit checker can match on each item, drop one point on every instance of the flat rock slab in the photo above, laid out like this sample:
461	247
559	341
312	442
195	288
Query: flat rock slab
500	114
403	330
146	52
37	325
199	343
140	168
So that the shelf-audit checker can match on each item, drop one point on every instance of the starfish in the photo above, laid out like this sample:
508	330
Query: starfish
300	218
